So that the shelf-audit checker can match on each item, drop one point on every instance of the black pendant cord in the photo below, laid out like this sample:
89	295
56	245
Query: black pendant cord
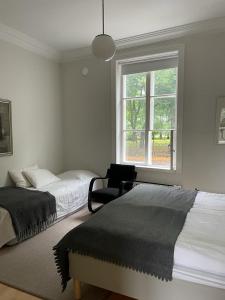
103	17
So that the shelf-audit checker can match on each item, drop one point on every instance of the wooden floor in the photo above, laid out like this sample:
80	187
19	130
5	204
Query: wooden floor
8	293
119	297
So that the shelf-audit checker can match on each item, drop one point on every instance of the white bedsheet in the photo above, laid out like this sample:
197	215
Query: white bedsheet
200	248
71	193
6	228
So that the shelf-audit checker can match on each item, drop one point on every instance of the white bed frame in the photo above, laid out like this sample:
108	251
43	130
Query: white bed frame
134	284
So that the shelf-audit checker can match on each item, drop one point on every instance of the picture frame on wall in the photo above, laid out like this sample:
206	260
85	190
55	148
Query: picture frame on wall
6	145
220	120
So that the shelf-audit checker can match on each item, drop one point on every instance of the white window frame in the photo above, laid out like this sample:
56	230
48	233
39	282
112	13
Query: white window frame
133	57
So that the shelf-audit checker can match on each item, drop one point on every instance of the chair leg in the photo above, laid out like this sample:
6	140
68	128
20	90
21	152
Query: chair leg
90	205
77	289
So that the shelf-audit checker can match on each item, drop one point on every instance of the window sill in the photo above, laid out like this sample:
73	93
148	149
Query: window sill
158	170
145	168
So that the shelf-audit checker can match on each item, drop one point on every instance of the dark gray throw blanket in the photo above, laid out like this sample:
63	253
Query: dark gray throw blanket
138	231
30	211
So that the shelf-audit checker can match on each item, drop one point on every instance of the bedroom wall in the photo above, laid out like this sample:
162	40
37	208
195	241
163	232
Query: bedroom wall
87	116
88	127
33	84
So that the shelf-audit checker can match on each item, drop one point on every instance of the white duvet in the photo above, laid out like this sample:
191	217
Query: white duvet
200	248
71	193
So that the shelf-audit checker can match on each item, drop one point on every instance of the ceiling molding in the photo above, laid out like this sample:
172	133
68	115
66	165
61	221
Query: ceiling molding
76	54
216	24
20	39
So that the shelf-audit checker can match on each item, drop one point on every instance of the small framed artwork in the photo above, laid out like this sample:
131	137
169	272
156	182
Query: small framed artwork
220	120
6	147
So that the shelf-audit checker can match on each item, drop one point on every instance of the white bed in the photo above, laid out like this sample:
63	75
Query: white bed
199	261
70	192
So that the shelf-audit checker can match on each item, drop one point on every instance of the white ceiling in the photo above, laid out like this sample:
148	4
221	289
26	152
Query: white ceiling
71	24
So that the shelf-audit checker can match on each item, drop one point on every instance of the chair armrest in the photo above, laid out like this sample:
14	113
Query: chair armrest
148	182
93	180
122	184
121	188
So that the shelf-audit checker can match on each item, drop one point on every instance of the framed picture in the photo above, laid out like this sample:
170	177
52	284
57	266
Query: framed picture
6	147
220	120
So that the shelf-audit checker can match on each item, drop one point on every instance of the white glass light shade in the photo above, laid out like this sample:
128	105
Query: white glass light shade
103	47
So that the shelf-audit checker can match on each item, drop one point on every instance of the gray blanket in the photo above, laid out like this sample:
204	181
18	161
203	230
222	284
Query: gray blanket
138	230
30	211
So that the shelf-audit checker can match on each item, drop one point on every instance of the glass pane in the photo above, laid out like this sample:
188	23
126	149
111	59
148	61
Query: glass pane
135	114
134	85
164	112
164	82
222	126
135	146
222	118
160	147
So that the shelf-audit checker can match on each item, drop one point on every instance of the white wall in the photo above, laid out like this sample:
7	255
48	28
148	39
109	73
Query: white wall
88	128
87	116
203	159
33	84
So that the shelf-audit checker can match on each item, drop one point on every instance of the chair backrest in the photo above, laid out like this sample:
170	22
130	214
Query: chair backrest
118	173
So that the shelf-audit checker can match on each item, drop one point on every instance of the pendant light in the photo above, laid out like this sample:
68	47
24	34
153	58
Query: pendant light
103	46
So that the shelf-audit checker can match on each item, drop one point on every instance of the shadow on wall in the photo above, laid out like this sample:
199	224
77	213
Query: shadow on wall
6	182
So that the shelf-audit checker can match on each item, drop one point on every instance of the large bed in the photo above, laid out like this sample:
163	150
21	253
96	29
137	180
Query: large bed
70	193
199	261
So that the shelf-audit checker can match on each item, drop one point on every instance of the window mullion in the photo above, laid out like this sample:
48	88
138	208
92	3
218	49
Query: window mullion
122	135
171	149
148	153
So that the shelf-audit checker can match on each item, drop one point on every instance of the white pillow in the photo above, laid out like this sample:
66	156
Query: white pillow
19	179
40	177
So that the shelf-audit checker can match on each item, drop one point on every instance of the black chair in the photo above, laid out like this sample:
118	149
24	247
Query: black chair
120	181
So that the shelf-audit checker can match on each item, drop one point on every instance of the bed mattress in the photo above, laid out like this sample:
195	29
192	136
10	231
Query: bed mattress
71	193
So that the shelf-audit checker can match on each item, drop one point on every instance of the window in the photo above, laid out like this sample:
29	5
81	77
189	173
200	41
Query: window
147	112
